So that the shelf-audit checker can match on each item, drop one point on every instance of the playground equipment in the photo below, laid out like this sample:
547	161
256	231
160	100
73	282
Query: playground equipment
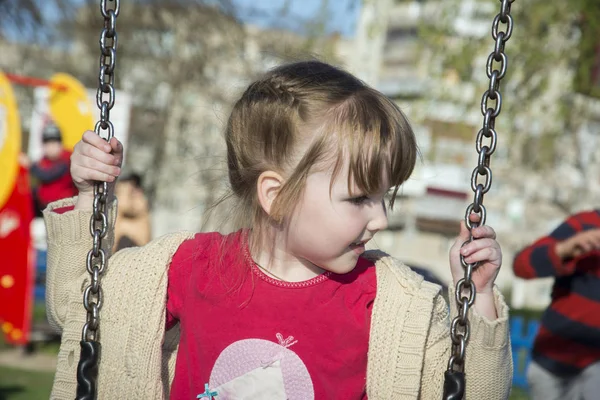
16	269
65	102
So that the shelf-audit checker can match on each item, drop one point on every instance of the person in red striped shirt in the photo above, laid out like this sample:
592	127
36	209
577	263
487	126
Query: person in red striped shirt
566	353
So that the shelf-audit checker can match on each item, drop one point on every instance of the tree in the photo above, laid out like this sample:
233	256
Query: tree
544	43
184	62
19	14
553	56
587	78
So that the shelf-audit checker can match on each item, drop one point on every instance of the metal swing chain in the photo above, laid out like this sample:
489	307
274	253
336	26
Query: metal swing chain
87	369
454	384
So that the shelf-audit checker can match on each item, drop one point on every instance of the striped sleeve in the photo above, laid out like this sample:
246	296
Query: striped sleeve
539	260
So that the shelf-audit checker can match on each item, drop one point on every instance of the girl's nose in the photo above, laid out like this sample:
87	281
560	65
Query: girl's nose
379	220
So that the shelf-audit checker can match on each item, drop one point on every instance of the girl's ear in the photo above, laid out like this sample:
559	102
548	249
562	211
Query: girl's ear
268	185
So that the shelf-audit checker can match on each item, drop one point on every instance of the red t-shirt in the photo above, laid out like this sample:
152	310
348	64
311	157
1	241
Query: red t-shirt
243	332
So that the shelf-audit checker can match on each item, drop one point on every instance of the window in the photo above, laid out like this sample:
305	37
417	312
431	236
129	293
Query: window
402	33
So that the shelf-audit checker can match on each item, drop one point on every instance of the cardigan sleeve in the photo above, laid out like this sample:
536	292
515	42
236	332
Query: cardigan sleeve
69	241
138	357
488	359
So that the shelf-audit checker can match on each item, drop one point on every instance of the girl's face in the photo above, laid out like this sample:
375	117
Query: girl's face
330	230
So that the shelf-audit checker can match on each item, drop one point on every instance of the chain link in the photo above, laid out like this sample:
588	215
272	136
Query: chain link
105	100
491	105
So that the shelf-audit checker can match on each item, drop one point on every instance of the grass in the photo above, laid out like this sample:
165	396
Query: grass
519	394
20	384
16	384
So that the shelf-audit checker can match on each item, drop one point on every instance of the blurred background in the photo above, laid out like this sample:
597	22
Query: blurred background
182	63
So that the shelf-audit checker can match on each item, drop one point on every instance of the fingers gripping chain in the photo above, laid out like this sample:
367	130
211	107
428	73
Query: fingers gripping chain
87	369
491	104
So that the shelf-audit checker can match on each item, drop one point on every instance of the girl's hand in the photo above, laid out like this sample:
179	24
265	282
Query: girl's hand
483	249
95	159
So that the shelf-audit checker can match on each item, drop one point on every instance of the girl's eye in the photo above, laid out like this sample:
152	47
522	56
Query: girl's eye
359	200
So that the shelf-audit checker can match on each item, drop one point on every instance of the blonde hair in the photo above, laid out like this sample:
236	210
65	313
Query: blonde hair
308	115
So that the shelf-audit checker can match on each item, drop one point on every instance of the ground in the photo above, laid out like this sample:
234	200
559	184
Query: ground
19	384
26	376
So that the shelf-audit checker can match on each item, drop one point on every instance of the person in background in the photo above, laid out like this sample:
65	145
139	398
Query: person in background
51	173
566	353
133	217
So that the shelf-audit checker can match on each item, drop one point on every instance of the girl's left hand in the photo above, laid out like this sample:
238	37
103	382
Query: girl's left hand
483	249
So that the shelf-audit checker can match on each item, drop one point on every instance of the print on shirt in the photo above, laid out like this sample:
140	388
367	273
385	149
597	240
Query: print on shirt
257	369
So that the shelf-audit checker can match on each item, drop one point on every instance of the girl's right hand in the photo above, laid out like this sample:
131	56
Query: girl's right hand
95	159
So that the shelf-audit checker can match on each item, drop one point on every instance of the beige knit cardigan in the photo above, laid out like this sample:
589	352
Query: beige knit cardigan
408	347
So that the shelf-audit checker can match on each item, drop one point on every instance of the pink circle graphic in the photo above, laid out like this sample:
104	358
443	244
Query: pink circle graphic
244	356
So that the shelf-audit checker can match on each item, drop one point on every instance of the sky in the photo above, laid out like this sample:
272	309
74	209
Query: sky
341	15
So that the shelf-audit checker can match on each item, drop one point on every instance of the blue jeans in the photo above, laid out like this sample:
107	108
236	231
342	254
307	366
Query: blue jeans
544	385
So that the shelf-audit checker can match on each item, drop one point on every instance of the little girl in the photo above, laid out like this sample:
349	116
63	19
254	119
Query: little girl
289	306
